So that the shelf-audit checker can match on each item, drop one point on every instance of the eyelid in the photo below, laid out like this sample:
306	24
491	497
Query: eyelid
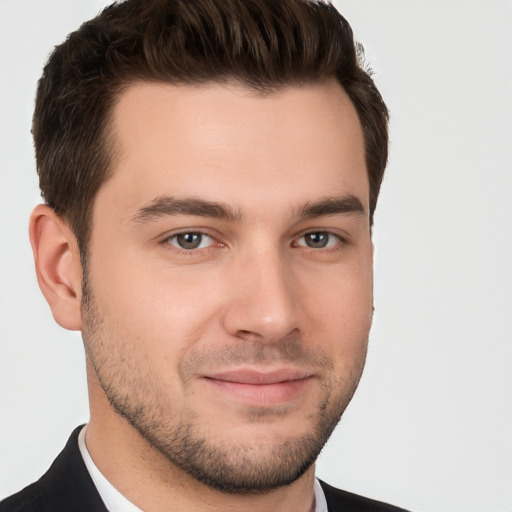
165	240
180	231
202	240
341	239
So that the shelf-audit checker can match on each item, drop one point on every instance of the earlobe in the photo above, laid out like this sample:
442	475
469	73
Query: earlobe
58	268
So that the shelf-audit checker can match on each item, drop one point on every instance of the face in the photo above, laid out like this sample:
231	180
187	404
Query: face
229	281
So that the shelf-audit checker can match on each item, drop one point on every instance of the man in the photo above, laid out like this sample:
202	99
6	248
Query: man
210	171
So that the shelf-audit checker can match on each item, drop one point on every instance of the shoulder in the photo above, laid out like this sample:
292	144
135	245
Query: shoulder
338	499
26	500
66	487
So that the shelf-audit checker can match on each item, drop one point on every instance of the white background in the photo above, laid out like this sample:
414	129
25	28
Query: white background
430	427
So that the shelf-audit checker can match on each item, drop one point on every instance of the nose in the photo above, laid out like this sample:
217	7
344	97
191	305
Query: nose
263	301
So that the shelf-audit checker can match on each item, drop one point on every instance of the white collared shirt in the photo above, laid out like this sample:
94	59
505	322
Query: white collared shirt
116	502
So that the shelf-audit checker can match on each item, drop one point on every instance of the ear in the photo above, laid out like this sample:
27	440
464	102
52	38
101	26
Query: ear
58	267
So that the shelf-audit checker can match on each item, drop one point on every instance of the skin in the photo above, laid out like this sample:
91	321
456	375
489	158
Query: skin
252	342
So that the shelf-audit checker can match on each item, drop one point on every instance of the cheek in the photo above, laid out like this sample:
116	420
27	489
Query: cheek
153	304
341	308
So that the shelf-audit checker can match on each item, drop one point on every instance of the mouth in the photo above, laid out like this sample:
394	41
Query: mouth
259	389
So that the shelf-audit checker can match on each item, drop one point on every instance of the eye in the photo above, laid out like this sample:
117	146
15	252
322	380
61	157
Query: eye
318	240
191	240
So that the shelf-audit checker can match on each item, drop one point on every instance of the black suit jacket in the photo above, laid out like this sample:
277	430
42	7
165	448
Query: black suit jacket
67	487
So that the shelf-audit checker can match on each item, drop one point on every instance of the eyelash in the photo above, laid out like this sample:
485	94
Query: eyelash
339	241
194	250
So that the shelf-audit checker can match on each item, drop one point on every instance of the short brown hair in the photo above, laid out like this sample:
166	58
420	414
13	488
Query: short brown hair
263	44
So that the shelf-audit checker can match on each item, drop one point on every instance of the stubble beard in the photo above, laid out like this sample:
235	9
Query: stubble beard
227	466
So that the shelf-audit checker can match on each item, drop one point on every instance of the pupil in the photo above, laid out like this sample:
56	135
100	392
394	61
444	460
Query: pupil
189	240
317	240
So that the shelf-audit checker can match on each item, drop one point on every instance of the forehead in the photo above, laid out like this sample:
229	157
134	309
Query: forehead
225	142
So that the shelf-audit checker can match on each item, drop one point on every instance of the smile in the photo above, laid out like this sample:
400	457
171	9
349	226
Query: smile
261	389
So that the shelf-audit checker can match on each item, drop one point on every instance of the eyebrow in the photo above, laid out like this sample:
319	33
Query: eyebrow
164	206
332	206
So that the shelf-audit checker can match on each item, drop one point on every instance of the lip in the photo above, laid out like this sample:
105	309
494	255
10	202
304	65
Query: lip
258	388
